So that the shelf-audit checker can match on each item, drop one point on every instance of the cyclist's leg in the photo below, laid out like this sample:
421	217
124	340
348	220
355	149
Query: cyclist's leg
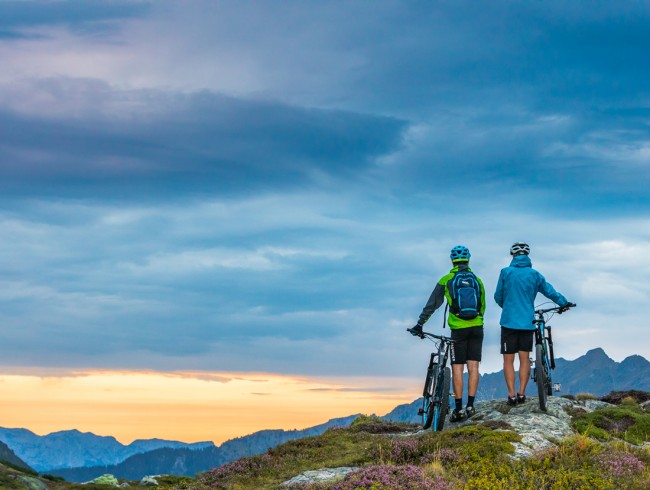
525	348
458	355
509	373
474	353
524	371
472	377
457	380
509	349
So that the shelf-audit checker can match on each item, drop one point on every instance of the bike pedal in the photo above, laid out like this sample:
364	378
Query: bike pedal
420	412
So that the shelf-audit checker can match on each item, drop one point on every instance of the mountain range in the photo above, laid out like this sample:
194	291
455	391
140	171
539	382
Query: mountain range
71	448
593	373
184	461
79	457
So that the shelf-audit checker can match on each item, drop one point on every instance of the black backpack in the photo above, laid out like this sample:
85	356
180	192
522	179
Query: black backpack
465	292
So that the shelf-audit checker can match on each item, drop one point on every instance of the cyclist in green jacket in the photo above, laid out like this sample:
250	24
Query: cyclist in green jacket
465	296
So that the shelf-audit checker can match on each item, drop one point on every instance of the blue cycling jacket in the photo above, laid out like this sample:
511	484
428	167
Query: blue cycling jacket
516	290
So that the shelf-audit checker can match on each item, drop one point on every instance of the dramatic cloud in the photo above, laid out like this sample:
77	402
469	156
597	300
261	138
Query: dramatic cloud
243	186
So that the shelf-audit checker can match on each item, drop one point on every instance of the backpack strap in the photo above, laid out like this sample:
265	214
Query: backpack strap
444	315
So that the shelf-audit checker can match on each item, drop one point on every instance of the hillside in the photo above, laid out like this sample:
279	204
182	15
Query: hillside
501	447
182	461
8	456
578	444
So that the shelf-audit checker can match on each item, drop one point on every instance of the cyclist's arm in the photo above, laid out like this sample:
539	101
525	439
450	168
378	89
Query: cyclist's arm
435	301
498	294
549	291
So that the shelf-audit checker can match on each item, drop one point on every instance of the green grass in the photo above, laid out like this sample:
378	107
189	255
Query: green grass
626	421
479	456
470	457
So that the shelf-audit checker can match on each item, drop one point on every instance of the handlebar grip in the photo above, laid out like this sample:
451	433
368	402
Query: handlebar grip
415	333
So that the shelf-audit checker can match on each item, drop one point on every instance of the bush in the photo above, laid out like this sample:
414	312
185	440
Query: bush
625	422
585	396
390	477
615	397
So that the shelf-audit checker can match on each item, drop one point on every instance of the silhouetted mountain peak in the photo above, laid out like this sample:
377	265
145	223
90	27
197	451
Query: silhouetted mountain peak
595	357
635	362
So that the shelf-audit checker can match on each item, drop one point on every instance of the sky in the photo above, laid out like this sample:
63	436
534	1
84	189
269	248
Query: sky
237	190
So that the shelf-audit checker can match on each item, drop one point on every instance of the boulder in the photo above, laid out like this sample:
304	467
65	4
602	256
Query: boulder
149	481
106	480
319	476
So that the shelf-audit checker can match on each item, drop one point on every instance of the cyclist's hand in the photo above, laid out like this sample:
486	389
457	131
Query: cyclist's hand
566	307
417	331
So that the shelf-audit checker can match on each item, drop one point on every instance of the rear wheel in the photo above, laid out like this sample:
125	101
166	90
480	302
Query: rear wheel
443	406
540	376
428	394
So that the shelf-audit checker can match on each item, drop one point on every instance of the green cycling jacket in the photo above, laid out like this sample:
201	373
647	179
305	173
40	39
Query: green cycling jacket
441	293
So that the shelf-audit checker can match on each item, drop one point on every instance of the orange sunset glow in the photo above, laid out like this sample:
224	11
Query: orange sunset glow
189	407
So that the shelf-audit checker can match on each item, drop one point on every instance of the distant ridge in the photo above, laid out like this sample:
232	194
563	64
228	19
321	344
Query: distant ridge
68	448
182	461
8	456
595	373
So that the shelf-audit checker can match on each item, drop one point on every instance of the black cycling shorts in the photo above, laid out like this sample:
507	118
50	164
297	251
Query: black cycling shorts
514	340
468	345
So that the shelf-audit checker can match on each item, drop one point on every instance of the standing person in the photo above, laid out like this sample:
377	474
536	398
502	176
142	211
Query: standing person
465	297
518	285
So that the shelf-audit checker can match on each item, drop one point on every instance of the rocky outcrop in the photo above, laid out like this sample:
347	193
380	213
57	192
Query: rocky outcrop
538	429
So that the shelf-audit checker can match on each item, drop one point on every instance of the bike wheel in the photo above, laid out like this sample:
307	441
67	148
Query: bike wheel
427	401
443	406
540	376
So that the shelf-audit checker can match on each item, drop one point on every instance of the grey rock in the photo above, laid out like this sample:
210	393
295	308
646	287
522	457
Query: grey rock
538	429
319	476
33	483
106	479
149	481
591	405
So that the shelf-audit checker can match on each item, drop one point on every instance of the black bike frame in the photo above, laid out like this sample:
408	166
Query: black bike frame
543	333
438	359
544	339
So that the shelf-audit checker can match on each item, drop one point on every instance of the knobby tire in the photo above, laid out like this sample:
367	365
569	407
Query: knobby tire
443	407
427	402
540	376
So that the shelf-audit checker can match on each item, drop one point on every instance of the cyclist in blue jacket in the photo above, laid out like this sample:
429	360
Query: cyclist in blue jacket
515	294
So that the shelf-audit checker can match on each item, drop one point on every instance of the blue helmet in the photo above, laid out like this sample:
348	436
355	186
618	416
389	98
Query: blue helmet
460	254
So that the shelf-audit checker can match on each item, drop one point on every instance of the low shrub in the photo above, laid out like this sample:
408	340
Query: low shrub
625	422
391	477
586	396
375	425
615	397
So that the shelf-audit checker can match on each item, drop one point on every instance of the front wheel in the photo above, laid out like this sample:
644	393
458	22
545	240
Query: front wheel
442	408
540	376
428	397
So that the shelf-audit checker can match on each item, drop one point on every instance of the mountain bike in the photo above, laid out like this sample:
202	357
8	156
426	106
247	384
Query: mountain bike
435	404
544	358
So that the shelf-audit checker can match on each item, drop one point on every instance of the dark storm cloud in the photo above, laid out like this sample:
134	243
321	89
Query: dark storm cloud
201	142
81	16
325	174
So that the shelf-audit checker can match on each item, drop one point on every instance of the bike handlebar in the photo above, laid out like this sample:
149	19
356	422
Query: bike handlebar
558	309
423	334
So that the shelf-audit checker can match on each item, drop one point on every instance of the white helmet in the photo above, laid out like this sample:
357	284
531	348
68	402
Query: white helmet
520	248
